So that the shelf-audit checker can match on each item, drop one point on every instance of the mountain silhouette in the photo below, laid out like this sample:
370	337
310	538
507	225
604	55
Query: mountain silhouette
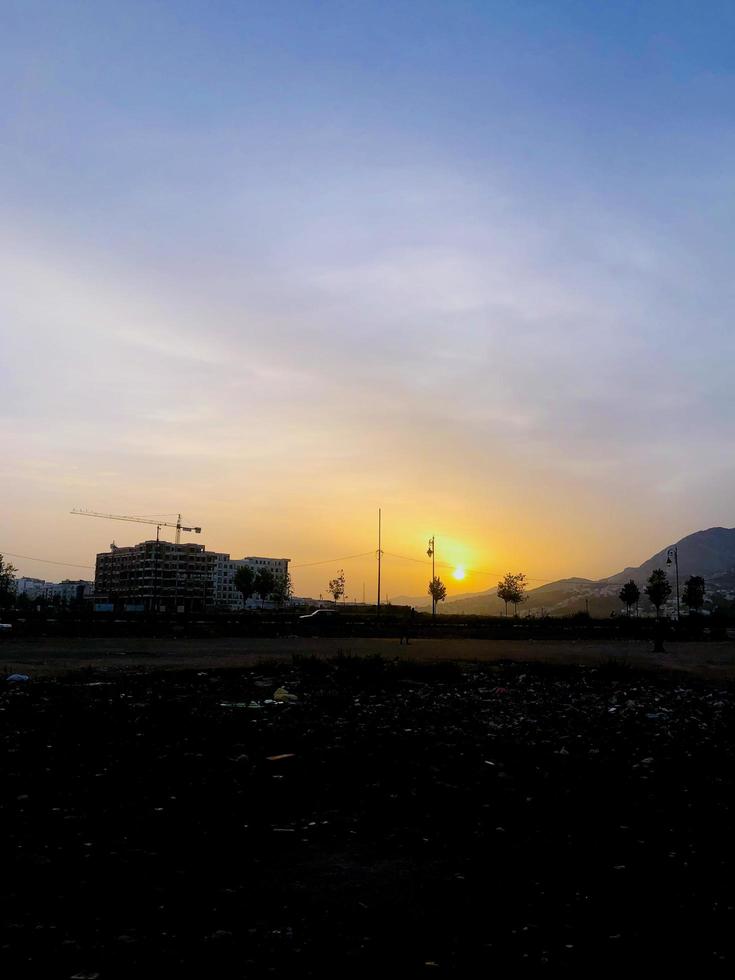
708	553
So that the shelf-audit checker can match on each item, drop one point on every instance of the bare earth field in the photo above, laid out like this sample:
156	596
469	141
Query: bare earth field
45	656
518	809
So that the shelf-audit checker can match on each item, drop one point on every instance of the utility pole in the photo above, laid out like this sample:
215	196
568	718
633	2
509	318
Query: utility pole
675	552
379	553
430	552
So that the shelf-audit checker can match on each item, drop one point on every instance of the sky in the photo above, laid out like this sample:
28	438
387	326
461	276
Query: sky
274	265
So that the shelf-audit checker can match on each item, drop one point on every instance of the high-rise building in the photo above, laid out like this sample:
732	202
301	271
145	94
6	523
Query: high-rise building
156	576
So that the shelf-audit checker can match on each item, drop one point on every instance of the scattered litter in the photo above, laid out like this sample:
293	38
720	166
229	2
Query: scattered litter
357	719
283	695
17	678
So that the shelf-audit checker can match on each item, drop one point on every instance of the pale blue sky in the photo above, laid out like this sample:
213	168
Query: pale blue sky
256	255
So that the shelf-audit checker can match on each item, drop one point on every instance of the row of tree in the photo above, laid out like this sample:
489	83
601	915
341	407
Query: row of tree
659	590
511	589
262	583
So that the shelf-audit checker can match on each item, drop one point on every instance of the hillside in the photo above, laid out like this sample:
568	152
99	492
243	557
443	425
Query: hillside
708	553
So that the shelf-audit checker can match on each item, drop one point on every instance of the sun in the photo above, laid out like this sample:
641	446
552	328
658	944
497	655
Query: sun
459	573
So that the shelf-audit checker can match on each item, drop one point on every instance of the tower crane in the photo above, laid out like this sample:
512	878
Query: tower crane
141	520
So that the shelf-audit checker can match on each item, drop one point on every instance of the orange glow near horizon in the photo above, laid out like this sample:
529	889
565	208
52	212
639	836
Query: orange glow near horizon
322	535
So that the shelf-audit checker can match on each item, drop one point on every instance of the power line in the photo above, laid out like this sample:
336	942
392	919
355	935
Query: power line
308	564
47	561
475	571
331	561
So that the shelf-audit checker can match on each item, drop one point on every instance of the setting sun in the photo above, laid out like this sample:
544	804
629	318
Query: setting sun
458	573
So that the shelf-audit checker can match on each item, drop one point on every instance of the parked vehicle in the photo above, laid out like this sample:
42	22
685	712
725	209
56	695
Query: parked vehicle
320	614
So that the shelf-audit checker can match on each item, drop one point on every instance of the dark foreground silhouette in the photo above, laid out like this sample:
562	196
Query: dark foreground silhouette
418	820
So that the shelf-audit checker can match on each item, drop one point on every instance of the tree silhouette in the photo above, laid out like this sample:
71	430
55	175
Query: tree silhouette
658	589
7	582
282	589
437	590
337	585
693	594
245	582
512	588
630	594
265	583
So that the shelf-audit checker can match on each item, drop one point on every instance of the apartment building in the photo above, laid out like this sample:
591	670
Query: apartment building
69	590
64	592
156	576
31	588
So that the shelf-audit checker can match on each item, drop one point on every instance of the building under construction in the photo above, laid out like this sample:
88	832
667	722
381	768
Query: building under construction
155	576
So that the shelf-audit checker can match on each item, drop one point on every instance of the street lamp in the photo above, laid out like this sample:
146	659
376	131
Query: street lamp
675	552
430	552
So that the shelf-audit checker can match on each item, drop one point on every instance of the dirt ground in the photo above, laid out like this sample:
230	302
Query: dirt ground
410	820
45	656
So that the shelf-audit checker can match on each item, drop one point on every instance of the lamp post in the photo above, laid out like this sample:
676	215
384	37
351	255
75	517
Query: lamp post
430	552
675	552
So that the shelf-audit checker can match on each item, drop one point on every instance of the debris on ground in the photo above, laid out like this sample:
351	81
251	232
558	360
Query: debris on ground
444	818
283	695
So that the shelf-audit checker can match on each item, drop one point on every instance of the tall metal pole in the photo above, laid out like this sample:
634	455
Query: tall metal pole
380	552
431	550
